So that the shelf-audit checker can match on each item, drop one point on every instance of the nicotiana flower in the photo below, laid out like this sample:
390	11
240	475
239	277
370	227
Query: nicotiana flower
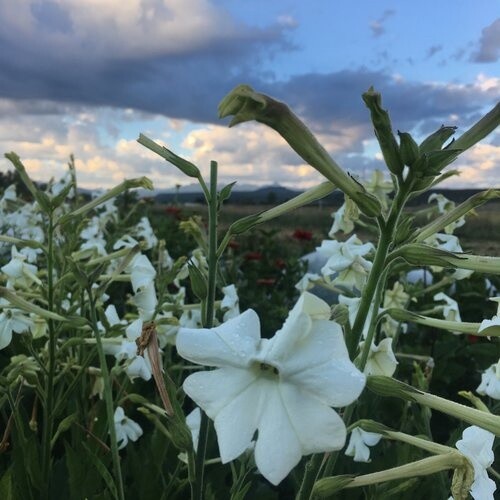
491	325
380	187
19	272
359	443
450	310
283	387
476	444
490	382
145	232
444	206
343	219
125	428
230	302
13	320
396	297
307	282
381	359
346	262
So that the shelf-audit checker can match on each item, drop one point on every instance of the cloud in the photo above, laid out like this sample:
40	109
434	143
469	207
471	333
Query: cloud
170	57
432	50
377	27
489	44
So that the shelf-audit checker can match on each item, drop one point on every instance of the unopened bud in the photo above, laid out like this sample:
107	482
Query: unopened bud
408	148
383	131
436	140
198	281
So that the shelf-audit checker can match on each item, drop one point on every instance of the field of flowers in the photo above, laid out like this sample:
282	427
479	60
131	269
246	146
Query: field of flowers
159	353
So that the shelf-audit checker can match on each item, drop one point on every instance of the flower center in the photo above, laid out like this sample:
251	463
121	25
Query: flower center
266	370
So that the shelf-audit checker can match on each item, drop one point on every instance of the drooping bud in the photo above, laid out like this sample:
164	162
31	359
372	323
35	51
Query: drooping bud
246	105
383	131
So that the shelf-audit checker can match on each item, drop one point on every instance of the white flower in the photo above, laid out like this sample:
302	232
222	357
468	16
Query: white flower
396	297
489	326
490	382
19	272
145	232
283	387
94	238
142	272
307	282
191	318
343	220
444	206
145	300
423	276
476	444
359	444
450	310
230	302
125	428
346	260
381	359
13	320
378	186
353	304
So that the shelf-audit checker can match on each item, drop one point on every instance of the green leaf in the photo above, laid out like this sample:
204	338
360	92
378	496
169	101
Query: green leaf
225	193
6	492
102	470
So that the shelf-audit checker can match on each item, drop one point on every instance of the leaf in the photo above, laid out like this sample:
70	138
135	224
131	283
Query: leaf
64	425
225	193
102	470
6	492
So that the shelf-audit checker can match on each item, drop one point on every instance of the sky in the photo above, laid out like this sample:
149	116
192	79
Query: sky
85	77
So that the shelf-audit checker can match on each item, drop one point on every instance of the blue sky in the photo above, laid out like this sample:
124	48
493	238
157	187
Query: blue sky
86	76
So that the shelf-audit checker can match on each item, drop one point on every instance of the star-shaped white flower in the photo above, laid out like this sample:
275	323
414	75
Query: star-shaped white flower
230	303
476	444
283	387
125	428
359	443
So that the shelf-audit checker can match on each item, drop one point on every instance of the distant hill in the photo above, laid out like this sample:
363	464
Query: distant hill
275	194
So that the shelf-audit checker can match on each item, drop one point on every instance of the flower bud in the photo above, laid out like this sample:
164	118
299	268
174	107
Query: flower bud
408	148
246	104
198	281
383	131
183	165
420	254
328	486
436	140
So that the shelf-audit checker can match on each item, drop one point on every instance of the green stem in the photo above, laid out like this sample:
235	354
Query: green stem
108	397
197	485
48	407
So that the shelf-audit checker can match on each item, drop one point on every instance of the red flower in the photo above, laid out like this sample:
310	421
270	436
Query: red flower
280	263
302	235
173	211
472	339
253	256
234	245
266	281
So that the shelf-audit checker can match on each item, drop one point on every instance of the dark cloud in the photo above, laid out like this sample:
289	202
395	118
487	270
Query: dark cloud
377	27
434	49
189	84
489	44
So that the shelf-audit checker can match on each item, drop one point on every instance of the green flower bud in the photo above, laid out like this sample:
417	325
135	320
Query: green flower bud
246	105
340	314
198	281
383	131
183	165
436	140
328	486
408	148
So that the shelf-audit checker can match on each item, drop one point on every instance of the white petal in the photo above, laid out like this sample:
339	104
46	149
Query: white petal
336	383
278	449
231	344
317	426
323	343
237	422
214	390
